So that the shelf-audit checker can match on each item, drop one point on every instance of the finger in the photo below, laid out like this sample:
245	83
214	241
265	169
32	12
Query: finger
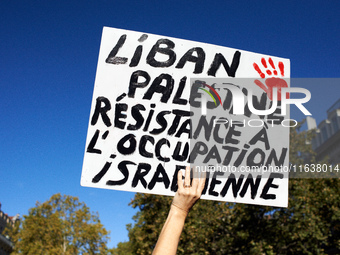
202	182
195	180
261	85
257	68
187	176
179	179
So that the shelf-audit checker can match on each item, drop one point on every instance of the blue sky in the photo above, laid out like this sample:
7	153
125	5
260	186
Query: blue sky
48	59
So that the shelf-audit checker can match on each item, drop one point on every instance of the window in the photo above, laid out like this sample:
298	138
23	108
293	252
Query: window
324	134
335	124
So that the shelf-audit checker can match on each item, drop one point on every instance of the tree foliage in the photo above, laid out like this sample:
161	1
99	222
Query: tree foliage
310	225
61	225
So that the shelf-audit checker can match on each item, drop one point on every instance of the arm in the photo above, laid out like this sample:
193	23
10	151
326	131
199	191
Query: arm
185	197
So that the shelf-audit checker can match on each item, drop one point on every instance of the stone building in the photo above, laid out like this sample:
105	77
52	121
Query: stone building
6	245
326	143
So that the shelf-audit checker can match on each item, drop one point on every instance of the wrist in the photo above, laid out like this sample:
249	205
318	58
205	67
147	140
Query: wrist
178	211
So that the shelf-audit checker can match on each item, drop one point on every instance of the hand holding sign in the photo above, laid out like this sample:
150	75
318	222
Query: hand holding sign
187	194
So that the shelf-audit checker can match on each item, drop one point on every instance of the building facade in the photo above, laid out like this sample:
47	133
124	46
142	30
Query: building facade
326	143
6	245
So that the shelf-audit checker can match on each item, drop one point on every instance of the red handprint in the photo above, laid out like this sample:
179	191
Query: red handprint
272	82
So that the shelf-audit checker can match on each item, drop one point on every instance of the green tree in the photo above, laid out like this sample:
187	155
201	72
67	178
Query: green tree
61	225
310	225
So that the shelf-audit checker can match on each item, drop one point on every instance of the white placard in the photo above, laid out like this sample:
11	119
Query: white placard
138	129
